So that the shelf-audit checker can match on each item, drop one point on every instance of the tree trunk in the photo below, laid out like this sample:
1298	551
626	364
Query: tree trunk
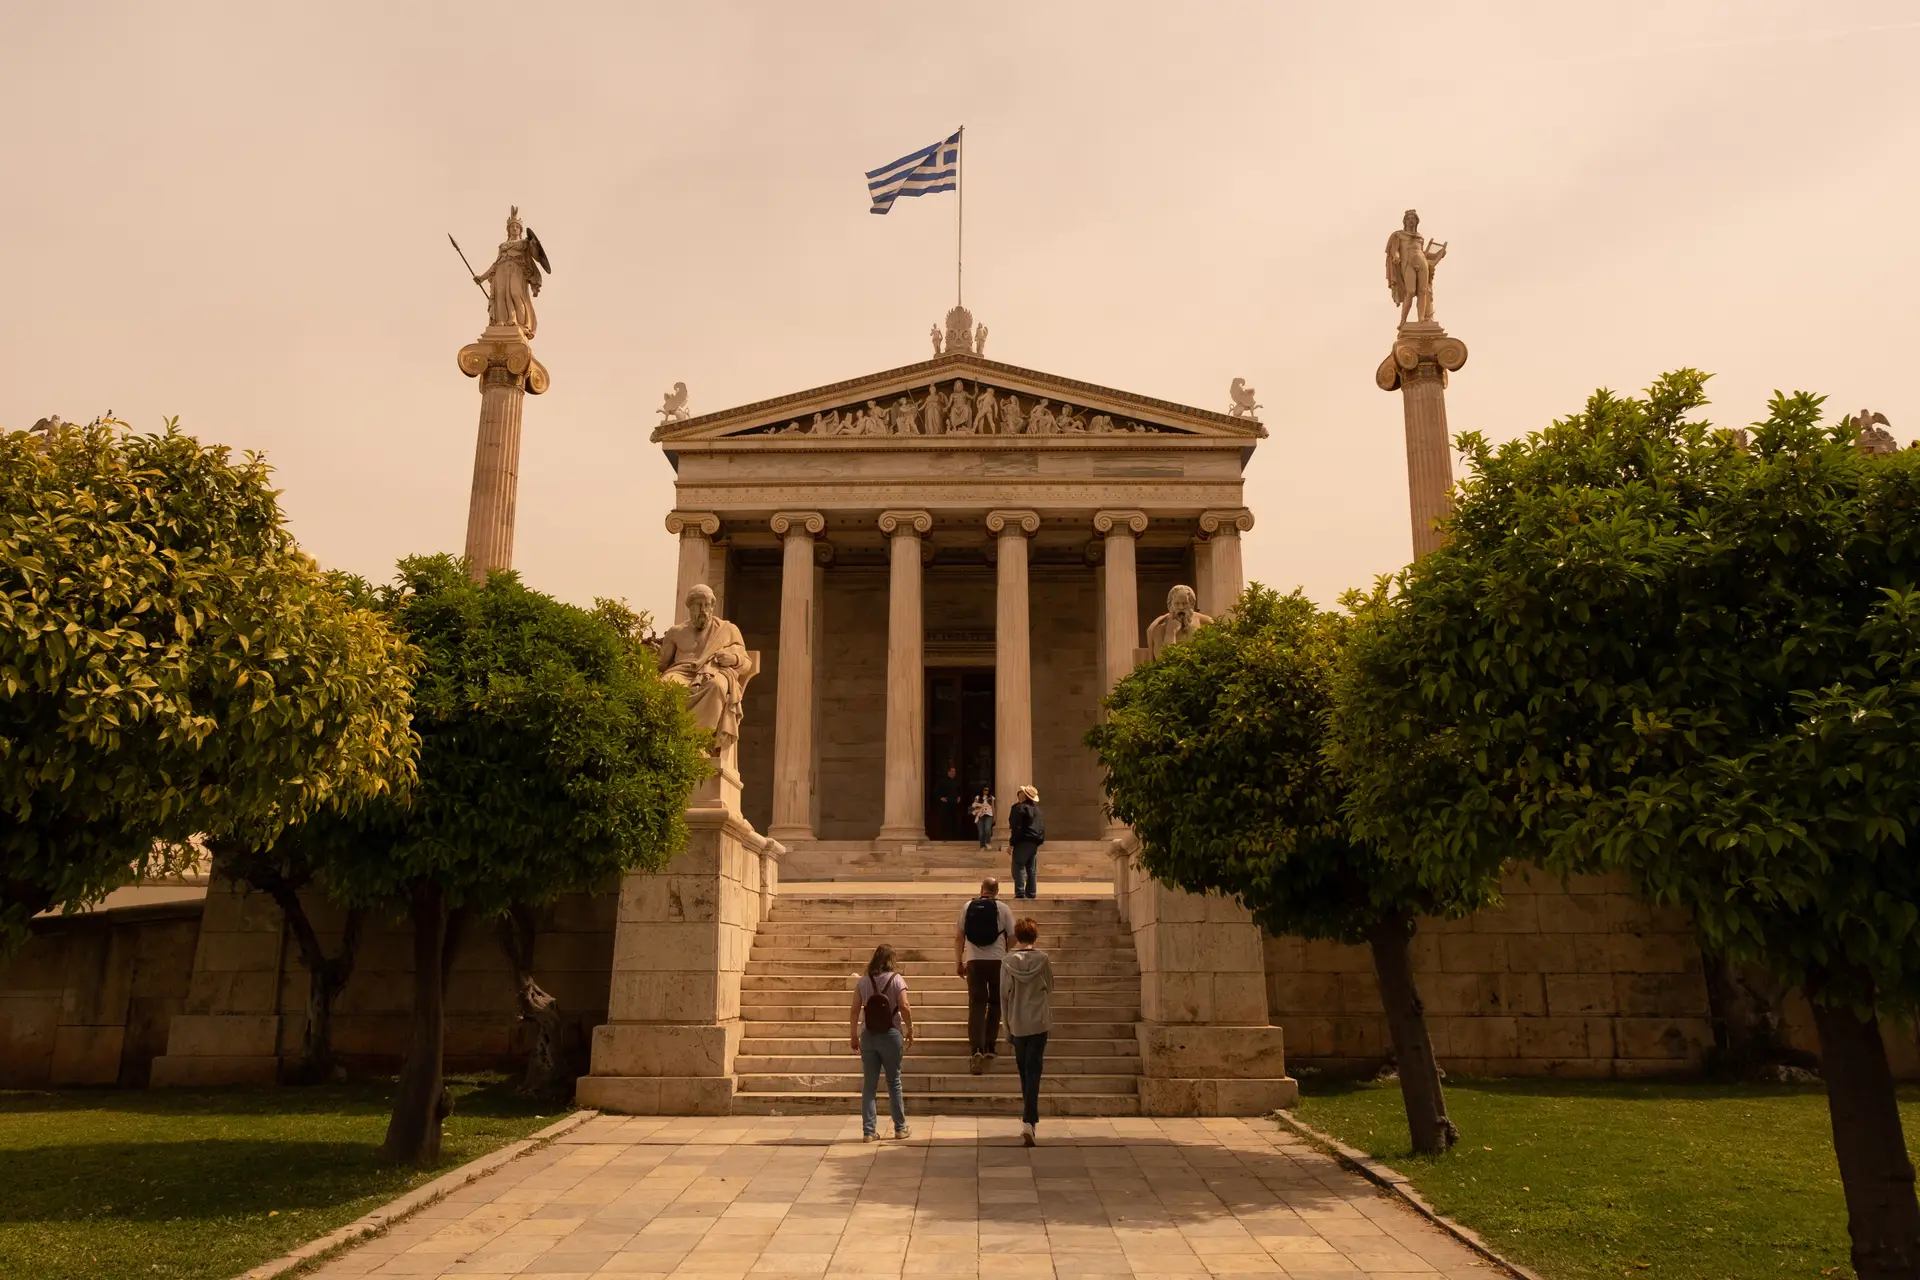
547	1074
413	1135
326	979
1420	1089
1883	1217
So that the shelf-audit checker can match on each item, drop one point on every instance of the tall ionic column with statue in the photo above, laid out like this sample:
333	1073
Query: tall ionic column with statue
1417	367
503	361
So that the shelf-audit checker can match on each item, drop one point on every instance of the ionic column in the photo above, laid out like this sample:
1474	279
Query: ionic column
1223	530
1012	656
793	711
508	373
1203	576
1417	367
903	813
695	530
1121	589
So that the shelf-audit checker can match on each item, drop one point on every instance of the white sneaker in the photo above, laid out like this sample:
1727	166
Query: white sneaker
903	1131
1026	1133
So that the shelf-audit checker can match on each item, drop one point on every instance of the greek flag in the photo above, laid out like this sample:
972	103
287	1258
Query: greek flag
930	169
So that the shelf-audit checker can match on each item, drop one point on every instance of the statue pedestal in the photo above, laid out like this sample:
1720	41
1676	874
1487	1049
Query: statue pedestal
680	945
1206	1048
1417	367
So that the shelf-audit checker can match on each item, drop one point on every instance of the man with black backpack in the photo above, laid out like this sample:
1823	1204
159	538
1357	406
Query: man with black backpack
979	945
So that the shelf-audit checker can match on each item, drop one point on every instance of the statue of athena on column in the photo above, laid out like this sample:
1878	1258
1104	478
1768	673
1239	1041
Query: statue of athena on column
513	281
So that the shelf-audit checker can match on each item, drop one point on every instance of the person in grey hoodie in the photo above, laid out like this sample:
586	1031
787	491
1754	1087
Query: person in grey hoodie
1026	999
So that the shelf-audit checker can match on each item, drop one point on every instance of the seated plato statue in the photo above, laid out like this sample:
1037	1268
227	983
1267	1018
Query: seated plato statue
1179	622
707	656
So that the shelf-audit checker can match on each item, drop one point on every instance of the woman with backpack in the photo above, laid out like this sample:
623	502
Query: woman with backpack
1026	993
881	1033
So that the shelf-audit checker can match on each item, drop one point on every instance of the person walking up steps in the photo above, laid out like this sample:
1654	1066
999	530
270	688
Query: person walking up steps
881	1033
1026	993
979	944
983	817
1026	832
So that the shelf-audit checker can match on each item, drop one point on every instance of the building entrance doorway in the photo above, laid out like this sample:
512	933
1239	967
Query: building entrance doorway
959	748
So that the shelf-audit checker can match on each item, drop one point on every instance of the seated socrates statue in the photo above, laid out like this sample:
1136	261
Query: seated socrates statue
1179	622
707	656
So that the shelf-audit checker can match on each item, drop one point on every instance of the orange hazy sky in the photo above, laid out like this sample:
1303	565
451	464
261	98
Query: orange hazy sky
238	213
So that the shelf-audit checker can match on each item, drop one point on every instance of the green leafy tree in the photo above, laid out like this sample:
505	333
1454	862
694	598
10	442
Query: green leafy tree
1658	648
552	759
170	664
1218	755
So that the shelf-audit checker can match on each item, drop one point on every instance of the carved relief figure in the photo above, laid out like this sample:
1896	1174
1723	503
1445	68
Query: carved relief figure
1410	264
707	657
983	412
1101	425
959	412
930	420
1040	419
1179	622
902	417
1012	421
872	423
513	281
1071	423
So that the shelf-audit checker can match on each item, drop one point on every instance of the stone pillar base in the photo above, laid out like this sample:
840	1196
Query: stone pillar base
212	1049
1213	1070
657	1095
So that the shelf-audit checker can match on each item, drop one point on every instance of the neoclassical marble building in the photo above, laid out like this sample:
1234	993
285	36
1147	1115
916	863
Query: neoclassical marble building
944	567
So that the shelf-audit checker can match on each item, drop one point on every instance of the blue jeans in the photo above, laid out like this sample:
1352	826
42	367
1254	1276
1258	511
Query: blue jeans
1023	880
984	826
881	1049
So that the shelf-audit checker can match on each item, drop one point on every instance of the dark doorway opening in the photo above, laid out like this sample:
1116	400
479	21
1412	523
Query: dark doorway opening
960	740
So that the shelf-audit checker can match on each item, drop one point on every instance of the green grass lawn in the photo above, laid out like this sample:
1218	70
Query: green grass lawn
1585	1179
165	1184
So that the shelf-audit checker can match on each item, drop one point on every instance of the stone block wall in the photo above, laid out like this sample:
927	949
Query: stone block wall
1064	610
89	998
1573	979
853	702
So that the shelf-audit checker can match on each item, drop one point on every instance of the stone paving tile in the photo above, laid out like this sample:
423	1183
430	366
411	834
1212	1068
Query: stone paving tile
751	1198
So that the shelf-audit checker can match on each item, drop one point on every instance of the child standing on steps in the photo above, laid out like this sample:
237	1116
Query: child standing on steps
1026	996
881	1034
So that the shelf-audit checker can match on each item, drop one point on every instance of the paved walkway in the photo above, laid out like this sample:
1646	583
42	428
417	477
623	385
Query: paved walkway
770	1197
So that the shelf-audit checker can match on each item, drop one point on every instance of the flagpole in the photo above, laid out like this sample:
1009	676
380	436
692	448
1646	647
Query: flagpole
960	215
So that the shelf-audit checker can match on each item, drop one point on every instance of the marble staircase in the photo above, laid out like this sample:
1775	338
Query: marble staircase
796	996
961	861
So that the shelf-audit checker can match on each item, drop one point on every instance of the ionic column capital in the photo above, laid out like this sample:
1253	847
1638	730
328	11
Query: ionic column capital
1420	352
797	523
505	360
900	524
1025	523
1227	520
1109	523
702	523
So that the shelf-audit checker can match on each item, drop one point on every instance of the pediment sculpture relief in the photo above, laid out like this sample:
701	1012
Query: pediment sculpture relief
958	409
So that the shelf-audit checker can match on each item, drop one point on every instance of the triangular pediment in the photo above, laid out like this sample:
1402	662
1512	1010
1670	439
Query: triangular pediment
972	397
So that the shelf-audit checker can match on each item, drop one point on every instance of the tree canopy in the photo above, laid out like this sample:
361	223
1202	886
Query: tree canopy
1692	656
552	759
1218	755
170	664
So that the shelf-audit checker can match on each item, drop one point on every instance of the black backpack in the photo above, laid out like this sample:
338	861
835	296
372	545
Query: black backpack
983	922
878	1014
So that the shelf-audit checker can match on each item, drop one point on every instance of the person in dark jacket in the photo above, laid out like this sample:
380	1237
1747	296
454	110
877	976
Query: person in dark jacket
1026	832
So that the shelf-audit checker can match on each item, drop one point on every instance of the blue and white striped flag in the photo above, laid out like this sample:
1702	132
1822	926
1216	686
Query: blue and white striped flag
930	169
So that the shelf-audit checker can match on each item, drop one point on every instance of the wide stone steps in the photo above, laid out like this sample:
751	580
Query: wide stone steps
956	860
796	1002
846	1102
